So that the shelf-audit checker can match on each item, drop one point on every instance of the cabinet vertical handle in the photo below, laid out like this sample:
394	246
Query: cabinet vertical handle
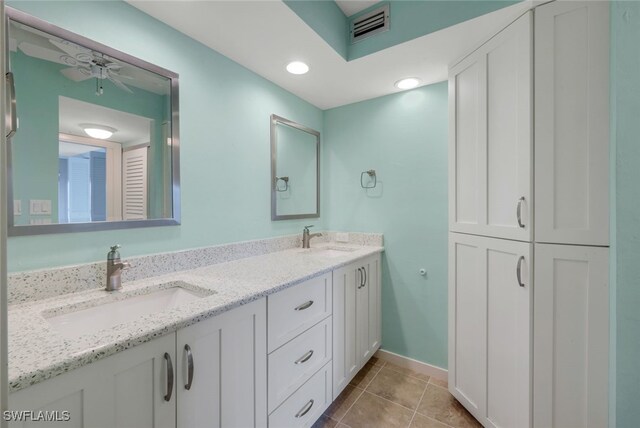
519	271
519	212
11	111
364	271
167	357
305	409
187	349
360	285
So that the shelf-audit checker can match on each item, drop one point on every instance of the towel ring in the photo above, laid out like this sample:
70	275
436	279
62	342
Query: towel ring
372	174
286	184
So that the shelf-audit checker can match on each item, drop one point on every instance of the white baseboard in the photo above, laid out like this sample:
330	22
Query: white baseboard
415	365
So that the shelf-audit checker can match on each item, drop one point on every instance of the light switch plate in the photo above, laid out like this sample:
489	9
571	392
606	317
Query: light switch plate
34	206
342	237
45	206
17	207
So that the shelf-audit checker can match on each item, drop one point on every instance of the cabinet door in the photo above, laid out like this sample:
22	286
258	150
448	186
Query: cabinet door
124	390
491	146
490	328
571	340
228	360
572	122
345	346
368	307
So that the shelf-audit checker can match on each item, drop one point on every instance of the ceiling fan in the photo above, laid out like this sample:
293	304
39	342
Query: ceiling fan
84	63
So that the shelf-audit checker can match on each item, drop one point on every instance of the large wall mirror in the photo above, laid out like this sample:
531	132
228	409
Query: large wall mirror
96	145
295	170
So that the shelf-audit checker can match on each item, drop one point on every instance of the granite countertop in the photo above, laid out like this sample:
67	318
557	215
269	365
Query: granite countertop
38	352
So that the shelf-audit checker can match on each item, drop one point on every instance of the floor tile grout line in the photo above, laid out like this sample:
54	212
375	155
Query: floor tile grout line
392	402
352	404
414	377
419	401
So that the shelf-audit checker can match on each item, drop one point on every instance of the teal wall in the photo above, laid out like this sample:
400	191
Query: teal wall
404	138
625	85
224	130
326	19
39	84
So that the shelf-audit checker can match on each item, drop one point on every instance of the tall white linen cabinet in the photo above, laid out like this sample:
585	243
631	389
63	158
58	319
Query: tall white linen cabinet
529	221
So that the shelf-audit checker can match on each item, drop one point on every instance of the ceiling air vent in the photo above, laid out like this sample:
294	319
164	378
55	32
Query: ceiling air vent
369	24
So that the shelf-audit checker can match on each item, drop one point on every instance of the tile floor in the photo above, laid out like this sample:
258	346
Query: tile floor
388	396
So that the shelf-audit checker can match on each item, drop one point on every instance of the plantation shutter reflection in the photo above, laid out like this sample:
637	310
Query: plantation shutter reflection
134	184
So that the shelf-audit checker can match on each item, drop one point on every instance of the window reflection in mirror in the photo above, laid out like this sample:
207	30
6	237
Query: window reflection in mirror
94	142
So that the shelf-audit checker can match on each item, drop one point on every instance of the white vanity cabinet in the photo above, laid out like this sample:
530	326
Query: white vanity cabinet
145	386
228	377
356	318
128	389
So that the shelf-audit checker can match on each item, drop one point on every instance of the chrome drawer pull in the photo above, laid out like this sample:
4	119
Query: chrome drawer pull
519	212
304	306
305	409
519	271
167	357
304	358
187	386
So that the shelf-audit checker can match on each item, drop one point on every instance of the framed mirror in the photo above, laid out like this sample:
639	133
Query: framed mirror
97	142
295	170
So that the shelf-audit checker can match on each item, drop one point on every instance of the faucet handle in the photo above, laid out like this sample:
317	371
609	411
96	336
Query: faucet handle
307	227
114	254
115	247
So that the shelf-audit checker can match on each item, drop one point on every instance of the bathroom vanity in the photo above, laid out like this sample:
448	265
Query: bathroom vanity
269	340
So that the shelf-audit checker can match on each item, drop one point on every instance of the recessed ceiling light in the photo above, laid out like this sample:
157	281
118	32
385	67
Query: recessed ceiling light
408	83
297	67
100	132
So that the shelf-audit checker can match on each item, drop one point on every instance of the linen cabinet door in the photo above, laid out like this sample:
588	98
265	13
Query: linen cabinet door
572	122
491	142
467	321
228	386
509	127
509	276
345	342
571	336
467	144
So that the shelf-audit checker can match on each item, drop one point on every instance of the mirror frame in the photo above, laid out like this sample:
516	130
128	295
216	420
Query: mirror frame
275	120
24	18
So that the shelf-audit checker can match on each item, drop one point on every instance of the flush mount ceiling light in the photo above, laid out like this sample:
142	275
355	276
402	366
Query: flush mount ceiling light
408	83
100	132
297	67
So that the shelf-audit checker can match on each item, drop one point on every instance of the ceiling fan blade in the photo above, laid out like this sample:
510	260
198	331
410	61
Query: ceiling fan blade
42	53
119	84
76	74
76	51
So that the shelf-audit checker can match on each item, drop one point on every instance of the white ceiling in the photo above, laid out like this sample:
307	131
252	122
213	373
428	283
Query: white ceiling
351	7
131	129
264	36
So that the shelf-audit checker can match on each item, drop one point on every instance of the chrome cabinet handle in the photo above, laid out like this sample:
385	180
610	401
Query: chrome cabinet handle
187	386
305	409
519	271
12	119
304	358
304	306
167	357
519	212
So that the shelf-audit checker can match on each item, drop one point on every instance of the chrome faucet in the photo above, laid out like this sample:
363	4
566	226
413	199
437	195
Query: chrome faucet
306	236
114	269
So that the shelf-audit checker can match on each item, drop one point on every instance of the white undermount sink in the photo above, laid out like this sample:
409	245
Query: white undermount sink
73	325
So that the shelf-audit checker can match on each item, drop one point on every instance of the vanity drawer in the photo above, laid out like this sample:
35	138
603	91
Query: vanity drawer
306	405
294	363
294	310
